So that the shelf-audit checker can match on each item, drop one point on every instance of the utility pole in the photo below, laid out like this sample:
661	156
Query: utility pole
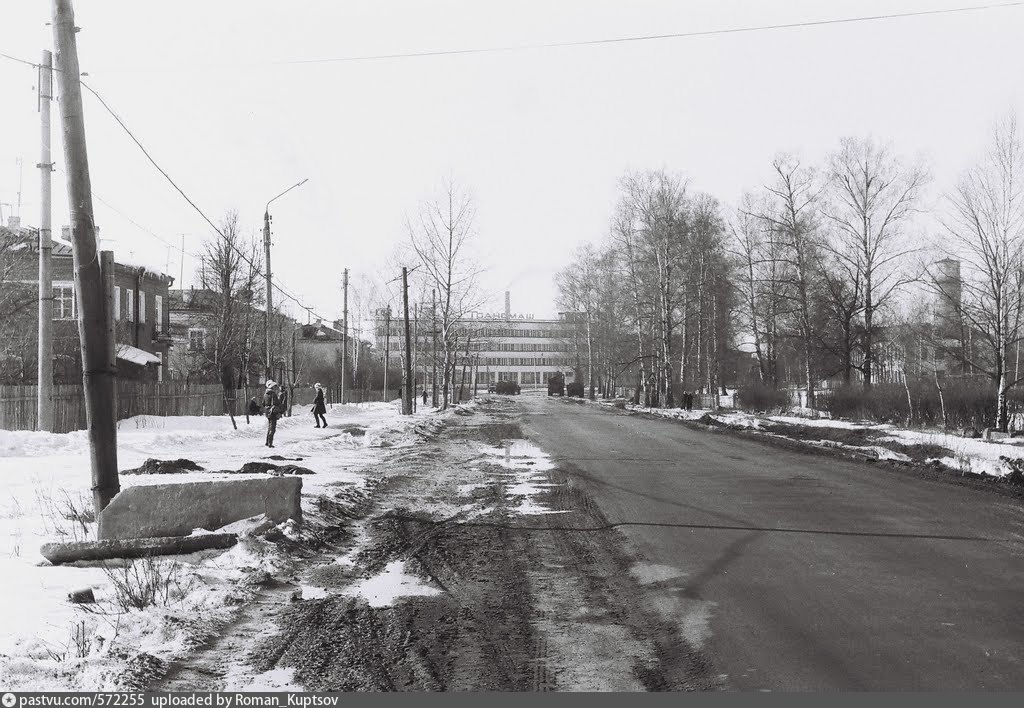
407	402
44	370
344	330
266	255
98	375
387	348
270	289
433	347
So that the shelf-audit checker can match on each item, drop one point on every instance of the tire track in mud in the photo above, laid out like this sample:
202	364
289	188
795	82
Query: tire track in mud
522	606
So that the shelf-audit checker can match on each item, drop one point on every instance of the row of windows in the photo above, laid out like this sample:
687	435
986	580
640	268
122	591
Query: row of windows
65	305
522	377
127	312
484	361
398	344
399	332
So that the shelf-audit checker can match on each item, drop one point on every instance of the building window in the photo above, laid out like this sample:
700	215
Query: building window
196	340
142	307
159	323
117	302
64	302
129	304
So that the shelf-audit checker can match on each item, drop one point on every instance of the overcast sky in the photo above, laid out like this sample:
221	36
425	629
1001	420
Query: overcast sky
539	137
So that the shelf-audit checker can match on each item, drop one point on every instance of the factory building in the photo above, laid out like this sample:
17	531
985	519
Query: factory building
492	346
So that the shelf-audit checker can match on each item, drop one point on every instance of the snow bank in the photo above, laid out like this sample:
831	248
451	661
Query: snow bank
47	643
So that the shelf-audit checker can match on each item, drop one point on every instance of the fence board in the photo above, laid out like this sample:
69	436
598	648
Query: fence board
171	398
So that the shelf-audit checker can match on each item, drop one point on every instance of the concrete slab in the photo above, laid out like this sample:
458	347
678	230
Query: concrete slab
176	509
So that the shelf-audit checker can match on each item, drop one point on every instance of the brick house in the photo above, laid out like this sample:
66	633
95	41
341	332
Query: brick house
140	313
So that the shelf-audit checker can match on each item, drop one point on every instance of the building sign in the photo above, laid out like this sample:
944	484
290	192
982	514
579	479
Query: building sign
499	316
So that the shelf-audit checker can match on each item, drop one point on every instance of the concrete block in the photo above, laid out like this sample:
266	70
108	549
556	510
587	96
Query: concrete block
176	509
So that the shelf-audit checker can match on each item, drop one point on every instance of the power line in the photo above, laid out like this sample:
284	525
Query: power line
191	203
655	37
621	40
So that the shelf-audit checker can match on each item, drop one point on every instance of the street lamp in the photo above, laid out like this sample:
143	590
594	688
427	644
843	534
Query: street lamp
270	287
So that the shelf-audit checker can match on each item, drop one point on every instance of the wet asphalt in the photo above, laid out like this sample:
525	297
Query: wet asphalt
796	571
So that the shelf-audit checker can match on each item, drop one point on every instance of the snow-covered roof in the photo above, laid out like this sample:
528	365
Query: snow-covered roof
127	352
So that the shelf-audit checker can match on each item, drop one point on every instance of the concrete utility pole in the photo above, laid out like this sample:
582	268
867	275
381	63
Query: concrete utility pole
269	280
344	330
387	349
270	291
93	332
44	370
407	399
433	347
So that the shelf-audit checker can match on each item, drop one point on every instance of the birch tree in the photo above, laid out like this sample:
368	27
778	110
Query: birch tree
985	226
872	196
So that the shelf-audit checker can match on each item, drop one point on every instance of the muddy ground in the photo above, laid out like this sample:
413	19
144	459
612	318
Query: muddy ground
524	601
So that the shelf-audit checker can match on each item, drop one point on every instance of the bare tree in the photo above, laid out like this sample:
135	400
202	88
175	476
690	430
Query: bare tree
790	216
871	197
442	236
986	234
230	272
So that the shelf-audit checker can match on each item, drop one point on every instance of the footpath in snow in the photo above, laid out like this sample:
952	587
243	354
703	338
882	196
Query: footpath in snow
153	610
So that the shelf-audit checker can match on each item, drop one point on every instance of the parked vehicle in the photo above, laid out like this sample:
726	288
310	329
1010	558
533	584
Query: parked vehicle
575	389
556	384
507	387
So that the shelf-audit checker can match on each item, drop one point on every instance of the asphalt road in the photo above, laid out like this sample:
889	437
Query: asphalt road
794	571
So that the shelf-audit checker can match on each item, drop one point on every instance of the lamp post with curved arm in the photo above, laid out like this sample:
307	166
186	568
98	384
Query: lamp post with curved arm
270	286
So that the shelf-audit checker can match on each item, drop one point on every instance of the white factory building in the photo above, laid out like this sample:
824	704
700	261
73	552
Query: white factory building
492	346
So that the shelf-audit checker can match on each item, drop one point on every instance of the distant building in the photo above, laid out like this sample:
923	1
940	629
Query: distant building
502	346
140	313
195	330
318	353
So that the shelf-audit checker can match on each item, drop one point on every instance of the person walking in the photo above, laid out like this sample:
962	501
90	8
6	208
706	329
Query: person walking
424	396
318	406
271	409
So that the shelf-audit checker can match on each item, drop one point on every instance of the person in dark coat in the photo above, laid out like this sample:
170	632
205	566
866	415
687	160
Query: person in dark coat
318	407
271	409
424	396
254	406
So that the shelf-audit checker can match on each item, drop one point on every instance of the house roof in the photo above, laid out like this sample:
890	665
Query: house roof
127	352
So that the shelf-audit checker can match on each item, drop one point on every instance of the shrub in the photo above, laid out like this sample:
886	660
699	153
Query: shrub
141	583
758	397
968	403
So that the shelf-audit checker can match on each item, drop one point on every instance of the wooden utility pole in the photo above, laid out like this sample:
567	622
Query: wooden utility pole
433	347
93	332
407	399
44	370
344	331
387	349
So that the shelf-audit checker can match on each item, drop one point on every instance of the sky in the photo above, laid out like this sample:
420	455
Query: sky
235	101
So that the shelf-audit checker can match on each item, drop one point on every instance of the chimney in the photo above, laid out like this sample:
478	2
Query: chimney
14	223
508	304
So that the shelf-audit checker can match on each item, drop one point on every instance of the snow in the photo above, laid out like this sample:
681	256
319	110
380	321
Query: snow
394	582
46	483
973	455
527	464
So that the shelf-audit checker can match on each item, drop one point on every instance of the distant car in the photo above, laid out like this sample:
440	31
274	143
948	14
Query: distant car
556	384
506	387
